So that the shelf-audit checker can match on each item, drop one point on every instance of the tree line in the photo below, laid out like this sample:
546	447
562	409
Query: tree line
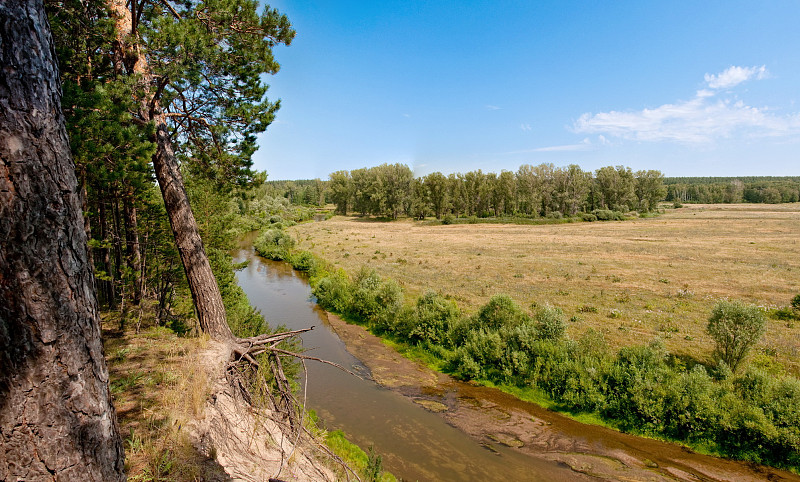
534	191
712	190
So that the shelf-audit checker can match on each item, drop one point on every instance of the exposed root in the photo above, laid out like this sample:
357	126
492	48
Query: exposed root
253	361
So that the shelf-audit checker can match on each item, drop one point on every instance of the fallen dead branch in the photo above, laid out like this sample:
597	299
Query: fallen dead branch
257	361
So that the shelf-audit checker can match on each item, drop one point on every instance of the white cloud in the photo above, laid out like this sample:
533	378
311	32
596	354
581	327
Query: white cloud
734	75
525	127
704	118
584	145
492	107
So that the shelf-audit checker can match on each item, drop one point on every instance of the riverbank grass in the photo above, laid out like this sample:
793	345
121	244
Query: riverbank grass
367	464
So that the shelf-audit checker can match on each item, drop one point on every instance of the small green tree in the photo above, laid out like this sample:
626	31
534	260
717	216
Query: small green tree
735	328
796	303
550	323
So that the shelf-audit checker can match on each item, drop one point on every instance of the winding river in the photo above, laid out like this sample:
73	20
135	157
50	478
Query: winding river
427	426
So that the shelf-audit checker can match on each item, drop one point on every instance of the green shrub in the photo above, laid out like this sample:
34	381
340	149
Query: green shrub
274	244
588	217
304	261
463	366
550	323
735	328
460	329
522	337
785	314
796	303
604	214
691	408
501	311
433	318
608	215
333	292
639	384
448	219
744	430
486	348
376	301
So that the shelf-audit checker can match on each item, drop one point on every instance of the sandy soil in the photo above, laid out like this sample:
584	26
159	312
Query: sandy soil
250	446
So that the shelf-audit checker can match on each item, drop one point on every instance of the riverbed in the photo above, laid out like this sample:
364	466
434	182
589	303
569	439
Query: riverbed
428	426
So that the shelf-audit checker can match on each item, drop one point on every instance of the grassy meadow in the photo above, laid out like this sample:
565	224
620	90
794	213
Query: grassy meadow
634	280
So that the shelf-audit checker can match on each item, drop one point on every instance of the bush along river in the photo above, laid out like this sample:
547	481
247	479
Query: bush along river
428	426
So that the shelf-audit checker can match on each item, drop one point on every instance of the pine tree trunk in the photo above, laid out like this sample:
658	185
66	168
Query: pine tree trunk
132	249
56	417
202	284
105	251
121	277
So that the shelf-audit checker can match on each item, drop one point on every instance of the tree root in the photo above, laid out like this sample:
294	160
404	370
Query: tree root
246	374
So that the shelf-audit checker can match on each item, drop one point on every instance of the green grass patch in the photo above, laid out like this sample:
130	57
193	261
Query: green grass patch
368	465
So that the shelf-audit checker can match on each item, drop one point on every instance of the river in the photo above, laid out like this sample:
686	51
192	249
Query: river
430	427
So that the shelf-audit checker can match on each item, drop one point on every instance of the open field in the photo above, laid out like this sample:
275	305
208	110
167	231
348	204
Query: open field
634	280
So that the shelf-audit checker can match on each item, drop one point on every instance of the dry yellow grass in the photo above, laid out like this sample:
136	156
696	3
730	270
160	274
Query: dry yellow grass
645	278
158	387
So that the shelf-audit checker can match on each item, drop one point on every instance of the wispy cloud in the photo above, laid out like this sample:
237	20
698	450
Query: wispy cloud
734	75
704	118
491	107
525	127
584	145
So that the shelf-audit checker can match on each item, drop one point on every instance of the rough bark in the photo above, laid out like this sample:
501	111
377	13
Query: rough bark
132	248
202	284
56	417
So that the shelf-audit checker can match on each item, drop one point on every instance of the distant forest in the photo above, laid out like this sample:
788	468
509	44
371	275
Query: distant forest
390	190
533	191
708	190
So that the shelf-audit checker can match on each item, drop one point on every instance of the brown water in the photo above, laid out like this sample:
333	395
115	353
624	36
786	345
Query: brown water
427	426
415	444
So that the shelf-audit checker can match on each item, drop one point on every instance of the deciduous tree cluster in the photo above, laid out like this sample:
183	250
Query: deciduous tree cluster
543	190
712	190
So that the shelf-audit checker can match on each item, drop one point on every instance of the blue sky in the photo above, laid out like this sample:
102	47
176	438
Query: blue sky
689	88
